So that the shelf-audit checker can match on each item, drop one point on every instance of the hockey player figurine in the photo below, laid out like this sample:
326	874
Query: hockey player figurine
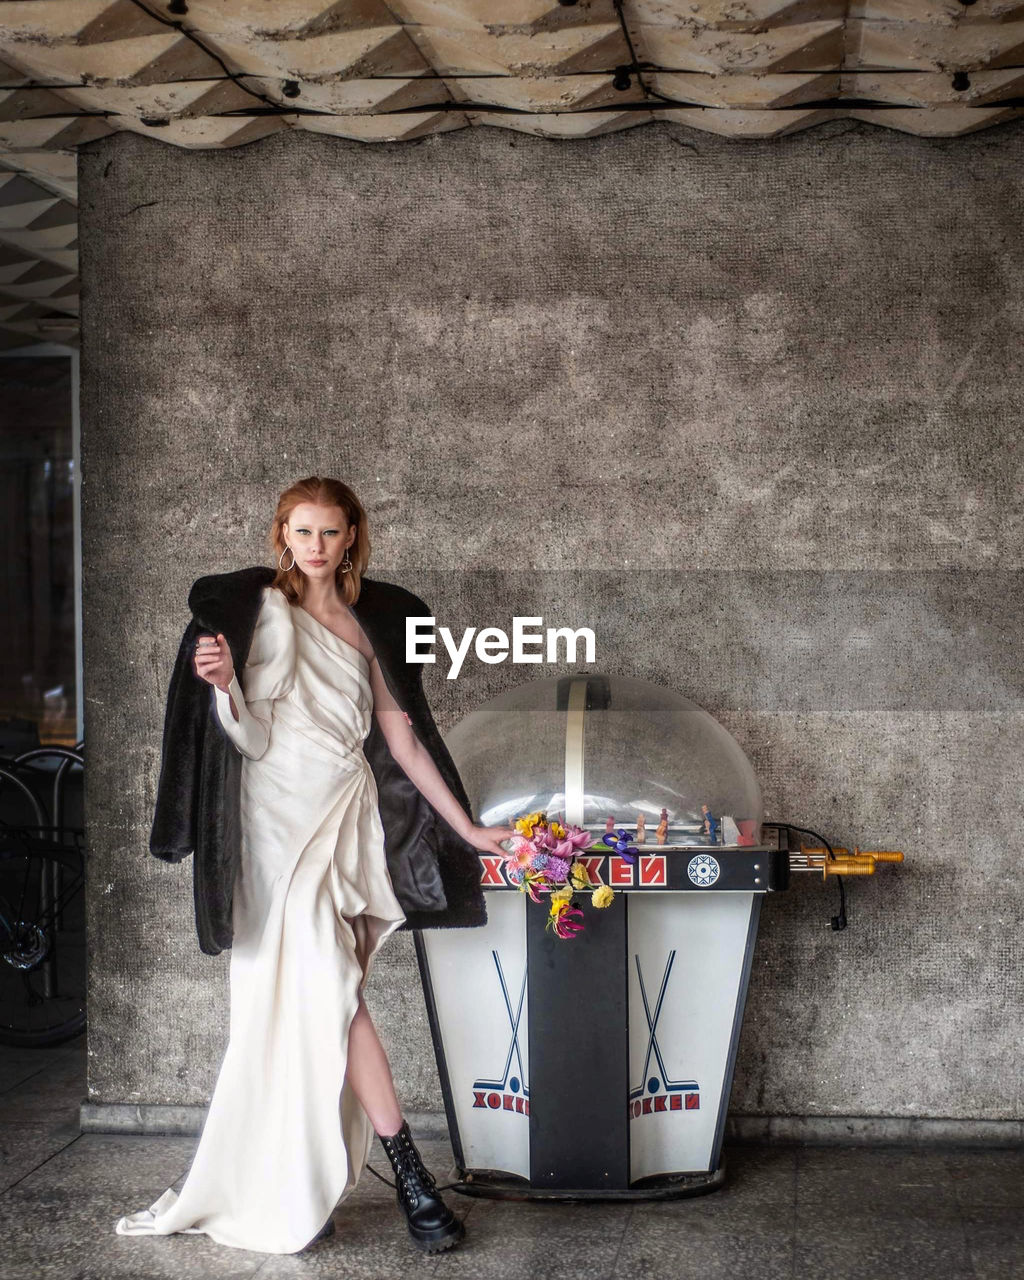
662	829
609	825
641	829
710	824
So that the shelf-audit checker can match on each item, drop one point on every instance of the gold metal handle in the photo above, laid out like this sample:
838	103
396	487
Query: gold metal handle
861	862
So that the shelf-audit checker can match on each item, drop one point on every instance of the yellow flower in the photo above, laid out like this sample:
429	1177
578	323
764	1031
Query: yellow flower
579	876
526	825
558	906
561	895
602	896
557	830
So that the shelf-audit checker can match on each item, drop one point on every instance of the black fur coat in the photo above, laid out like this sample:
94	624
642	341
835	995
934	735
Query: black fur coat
435	873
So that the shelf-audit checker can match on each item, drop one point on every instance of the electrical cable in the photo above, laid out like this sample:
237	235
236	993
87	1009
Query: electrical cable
634	66
839	921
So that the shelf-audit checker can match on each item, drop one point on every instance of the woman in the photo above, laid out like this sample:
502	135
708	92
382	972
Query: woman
305	1081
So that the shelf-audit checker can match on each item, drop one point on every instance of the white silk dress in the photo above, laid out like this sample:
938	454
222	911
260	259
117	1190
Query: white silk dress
285	1138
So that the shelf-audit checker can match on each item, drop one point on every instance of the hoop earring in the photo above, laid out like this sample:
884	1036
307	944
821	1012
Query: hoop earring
280	561
346	564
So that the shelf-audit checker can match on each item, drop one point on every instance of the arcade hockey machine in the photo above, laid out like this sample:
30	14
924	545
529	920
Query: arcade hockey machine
600	1067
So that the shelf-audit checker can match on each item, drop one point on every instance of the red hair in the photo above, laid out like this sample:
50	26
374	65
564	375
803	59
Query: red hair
325	492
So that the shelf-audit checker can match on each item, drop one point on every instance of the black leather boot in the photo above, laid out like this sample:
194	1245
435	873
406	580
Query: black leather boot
432	1224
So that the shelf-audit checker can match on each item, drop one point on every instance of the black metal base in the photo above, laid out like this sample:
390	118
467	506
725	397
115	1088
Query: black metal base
492	1185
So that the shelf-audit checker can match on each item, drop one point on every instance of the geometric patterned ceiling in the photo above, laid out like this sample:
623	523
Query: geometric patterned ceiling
221	73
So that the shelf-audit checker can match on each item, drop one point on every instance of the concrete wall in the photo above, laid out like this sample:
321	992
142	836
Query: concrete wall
751	410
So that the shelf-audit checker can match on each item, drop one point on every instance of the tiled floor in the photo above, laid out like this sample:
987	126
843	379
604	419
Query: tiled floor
800	1212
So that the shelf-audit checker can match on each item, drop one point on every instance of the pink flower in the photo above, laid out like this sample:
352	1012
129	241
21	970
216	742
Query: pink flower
522	854
579	838
569	923
574	838
532	883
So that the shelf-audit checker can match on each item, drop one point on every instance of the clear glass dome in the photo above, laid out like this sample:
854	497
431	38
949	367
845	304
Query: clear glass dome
591	747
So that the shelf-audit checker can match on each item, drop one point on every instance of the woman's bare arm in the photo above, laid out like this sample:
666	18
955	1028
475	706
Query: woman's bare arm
419	765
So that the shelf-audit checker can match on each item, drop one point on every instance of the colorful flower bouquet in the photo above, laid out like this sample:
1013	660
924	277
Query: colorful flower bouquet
543	860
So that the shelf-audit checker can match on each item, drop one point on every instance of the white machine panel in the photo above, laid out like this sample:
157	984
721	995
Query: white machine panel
686	957
480	990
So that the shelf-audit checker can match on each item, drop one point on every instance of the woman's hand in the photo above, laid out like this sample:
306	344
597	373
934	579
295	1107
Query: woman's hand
212	661
486	838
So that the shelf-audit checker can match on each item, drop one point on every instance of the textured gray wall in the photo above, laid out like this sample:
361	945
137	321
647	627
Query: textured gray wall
748	409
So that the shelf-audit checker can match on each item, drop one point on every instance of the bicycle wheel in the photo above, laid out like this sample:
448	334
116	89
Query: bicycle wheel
42	940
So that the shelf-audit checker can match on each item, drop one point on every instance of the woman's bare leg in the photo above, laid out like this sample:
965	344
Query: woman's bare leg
369	1074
